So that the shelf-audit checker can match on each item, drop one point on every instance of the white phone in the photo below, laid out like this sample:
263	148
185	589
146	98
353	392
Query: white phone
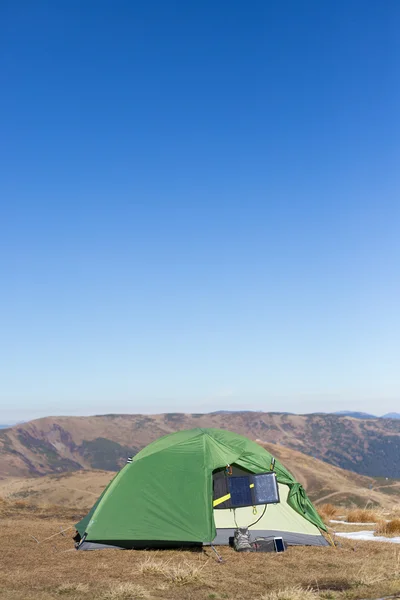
279	545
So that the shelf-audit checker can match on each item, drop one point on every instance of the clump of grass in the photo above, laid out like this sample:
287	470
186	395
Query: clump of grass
388	528
327	511
395	513
362	515
68	588
180	574
292	593
126	591
150	565
368	577
185	573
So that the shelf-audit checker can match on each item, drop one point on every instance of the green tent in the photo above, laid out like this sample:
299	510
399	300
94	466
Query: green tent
169	495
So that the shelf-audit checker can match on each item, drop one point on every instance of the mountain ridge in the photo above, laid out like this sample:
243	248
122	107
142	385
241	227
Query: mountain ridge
59	444
355	414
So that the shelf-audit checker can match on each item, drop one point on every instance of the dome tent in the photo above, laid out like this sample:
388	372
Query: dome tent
166	497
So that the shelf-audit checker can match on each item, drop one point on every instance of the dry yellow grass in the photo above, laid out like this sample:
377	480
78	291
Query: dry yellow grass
327	511
361	515
394	513
388	528
182	574
52	569
125	591
79	488
115	591
291	593
44	511
70	588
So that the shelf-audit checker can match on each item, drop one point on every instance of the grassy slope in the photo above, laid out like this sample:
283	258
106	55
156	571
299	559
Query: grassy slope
80	488
52	569
326	483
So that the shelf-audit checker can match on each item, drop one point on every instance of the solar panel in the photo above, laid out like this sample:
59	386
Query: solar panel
265	488
239	489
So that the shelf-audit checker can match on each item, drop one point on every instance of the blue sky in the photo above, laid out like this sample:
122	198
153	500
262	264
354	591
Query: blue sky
199	206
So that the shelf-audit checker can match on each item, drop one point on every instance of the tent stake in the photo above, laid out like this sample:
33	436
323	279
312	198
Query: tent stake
219	557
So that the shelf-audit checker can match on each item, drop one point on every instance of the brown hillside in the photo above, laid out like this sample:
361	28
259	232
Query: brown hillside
323	482
80	488
60	444
327	483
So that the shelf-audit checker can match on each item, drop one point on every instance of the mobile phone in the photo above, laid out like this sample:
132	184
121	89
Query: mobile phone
279	545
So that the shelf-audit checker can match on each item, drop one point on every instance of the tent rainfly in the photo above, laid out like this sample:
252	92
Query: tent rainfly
182	490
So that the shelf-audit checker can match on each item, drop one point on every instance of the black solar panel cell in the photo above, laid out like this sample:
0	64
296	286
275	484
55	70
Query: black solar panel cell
239	488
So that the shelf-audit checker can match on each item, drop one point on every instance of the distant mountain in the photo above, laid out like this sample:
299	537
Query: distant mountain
59	444
363	415
355	414
5	426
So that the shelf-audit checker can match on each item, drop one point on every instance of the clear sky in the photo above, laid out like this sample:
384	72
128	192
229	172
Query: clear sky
199	206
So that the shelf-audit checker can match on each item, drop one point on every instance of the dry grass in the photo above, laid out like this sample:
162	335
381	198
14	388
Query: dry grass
69	588
126	591
367	577
291	593
79	488
182	574
21	508
388	528
362	515
394	513
327	511
53	569
116	591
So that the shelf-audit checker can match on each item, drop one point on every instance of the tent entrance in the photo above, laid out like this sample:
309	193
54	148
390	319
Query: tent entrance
265	521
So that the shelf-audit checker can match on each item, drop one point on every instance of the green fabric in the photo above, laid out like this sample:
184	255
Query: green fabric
83	523
165	493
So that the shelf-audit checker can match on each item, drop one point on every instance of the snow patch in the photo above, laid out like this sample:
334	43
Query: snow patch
347	523
367	536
